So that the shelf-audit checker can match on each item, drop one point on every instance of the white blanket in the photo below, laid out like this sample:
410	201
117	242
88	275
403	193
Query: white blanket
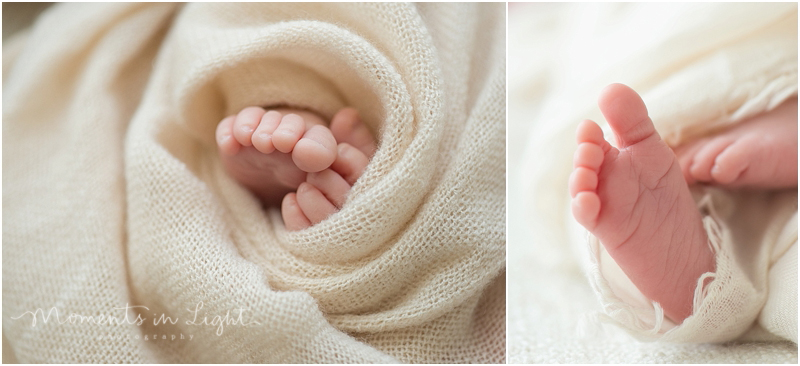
117	209
699	67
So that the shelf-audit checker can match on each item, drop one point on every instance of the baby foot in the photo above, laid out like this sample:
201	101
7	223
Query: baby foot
323	193
634	199
761	152
270	153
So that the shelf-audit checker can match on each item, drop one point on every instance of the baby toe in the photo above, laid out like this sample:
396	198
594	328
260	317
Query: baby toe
313	203
288	133
582	180
685	155
626	114
246	122
705	157
225	141
331	184
586	208
730	164
588	131
316	151
262	137
350	163
588	155
293	217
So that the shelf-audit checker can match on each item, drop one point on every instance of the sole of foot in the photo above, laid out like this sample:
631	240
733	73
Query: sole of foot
634	199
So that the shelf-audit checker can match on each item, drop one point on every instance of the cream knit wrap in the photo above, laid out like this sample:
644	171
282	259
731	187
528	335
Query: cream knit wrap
114	195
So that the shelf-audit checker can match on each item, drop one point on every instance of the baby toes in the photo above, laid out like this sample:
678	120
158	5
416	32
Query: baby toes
246	122
288	133
316	151
583	184
293	217
225	141
588	158
314	204
705	157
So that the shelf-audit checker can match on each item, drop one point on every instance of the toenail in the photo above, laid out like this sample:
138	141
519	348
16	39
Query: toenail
247	128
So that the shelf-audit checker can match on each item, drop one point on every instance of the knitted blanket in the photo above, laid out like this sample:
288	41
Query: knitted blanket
125	241
699	68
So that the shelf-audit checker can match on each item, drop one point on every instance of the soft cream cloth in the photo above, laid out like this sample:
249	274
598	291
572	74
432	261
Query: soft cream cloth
698	67
114	195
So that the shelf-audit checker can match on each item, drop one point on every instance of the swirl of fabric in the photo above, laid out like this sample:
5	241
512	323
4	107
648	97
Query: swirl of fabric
117	205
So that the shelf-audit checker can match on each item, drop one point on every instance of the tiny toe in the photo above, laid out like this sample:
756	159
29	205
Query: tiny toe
313	203
626	113
331	184
589	131
730	164
685	154
588	155
705	157
350	163
316	151
262	137
246	122
347	126
289	131
293	217
225	141
686	164
582	180
586	208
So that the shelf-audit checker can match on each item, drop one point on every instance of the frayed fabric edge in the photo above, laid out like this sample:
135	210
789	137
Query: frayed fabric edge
615	310
624	315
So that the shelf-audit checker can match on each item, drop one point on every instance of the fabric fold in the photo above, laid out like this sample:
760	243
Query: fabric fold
145	216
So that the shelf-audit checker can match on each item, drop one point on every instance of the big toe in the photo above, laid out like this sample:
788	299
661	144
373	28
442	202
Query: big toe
626	113
316	151
347	127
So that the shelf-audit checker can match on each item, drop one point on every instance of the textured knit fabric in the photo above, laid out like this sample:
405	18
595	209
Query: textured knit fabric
699	68
114	194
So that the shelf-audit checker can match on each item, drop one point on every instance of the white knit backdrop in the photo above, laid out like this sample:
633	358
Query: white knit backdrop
114	195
